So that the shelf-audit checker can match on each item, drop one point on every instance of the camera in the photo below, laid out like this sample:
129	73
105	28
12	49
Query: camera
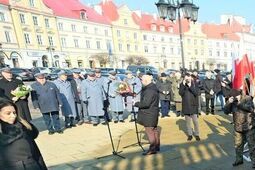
187	81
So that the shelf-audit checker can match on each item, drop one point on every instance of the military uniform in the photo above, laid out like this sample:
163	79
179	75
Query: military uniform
243	117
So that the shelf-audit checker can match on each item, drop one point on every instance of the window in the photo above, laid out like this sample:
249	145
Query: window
47	24
202	52
218	53
98	45
27	39
60	26
155	49
171	40
196	52
35	20
120	47
162	28
85	29
96	30
83	15
31	3
50	41
128	47
225	45
153	27
146	50
106	32
162	39
145	37
195	42
63	42
108	46
171	50
118	33
188	40
127	35
170	29
76	43
2	18
135	36
225	54
7	36
136	48
153	38
39	39
125	22
22	18
163	50
210	53
202	42
73	28
217	44
87	43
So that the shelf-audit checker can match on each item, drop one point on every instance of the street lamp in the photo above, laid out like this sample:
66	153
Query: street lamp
51	49
2	56
167	9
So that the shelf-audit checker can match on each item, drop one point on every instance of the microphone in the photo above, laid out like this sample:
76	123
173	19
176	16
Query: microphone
110	81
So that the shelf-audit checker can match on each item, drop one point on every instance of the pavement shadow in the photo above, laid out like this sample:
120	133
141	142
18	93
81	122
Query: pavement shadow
214	152
182	125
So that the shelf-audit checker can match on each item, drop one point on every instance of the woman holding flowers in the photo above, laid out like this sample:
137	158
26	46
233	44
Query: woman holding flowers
8	85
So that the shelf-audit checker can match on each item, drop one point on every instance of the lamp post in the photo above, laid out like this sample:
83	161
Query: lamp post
51	49
167	9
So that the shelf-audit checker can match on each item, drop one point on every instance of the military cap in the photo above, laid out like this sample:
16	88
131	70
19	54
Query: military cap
40	75
6	69
91	73
163	75
76	70
98	70
62	72
112	72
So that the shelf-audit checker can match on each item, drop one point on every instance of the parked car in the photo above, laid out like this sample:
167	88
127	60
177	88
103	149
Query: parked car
54	74
135	69
169	71
84	71
22	73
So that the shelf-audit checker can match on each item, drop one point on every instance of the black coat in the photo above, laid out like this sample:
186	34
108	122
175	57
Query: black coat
189	98
209	84
22	104
165	86
148	106
18	148
243	114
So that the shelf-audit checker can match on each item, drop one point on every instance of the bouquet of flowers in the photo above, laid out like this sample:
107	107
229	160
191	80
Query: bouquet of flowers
123	88
21	91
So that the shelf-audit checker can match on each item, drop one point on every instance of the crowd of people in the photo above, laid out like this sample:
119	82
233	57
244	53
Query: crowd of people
95	100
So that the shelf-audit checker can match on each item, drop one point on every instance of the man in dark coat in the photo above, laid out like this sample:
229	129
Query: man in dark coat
189	92
46	97
148	112
209	87
165	94
81	108
242	108
7	84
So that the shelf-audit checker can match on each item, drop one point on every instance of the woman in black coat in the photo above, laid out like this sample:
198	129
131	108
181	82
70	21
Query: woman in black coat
18	148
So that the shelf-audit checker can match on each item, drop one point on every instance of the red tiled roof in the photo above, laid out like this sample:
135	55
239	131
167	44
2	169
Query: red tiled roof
223	31
110	10
146	20
5	2
72	9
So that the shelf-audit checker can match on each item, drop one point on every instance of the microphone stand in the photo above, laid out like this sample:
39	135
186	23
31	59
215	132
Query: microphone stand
114	152
136	128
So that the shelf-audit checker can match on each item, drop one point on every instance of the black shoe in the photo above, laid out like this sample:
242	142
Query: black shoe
60	131
95	124
167	116
51	132
236	163
157	148
115	121
122	121
189	138
103	123
162	116
207	113
109	120
149	152
132	120
253	166
68	126
197	138
80	122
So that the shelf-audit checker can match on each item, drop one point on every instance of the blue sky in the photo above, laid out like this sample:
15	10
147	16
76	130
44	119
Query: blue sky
210	10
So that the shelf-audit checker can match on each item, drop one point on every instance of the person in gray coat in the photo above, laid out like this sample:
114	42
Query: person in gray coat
67	97
46	97
92	94
115	98
134	96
